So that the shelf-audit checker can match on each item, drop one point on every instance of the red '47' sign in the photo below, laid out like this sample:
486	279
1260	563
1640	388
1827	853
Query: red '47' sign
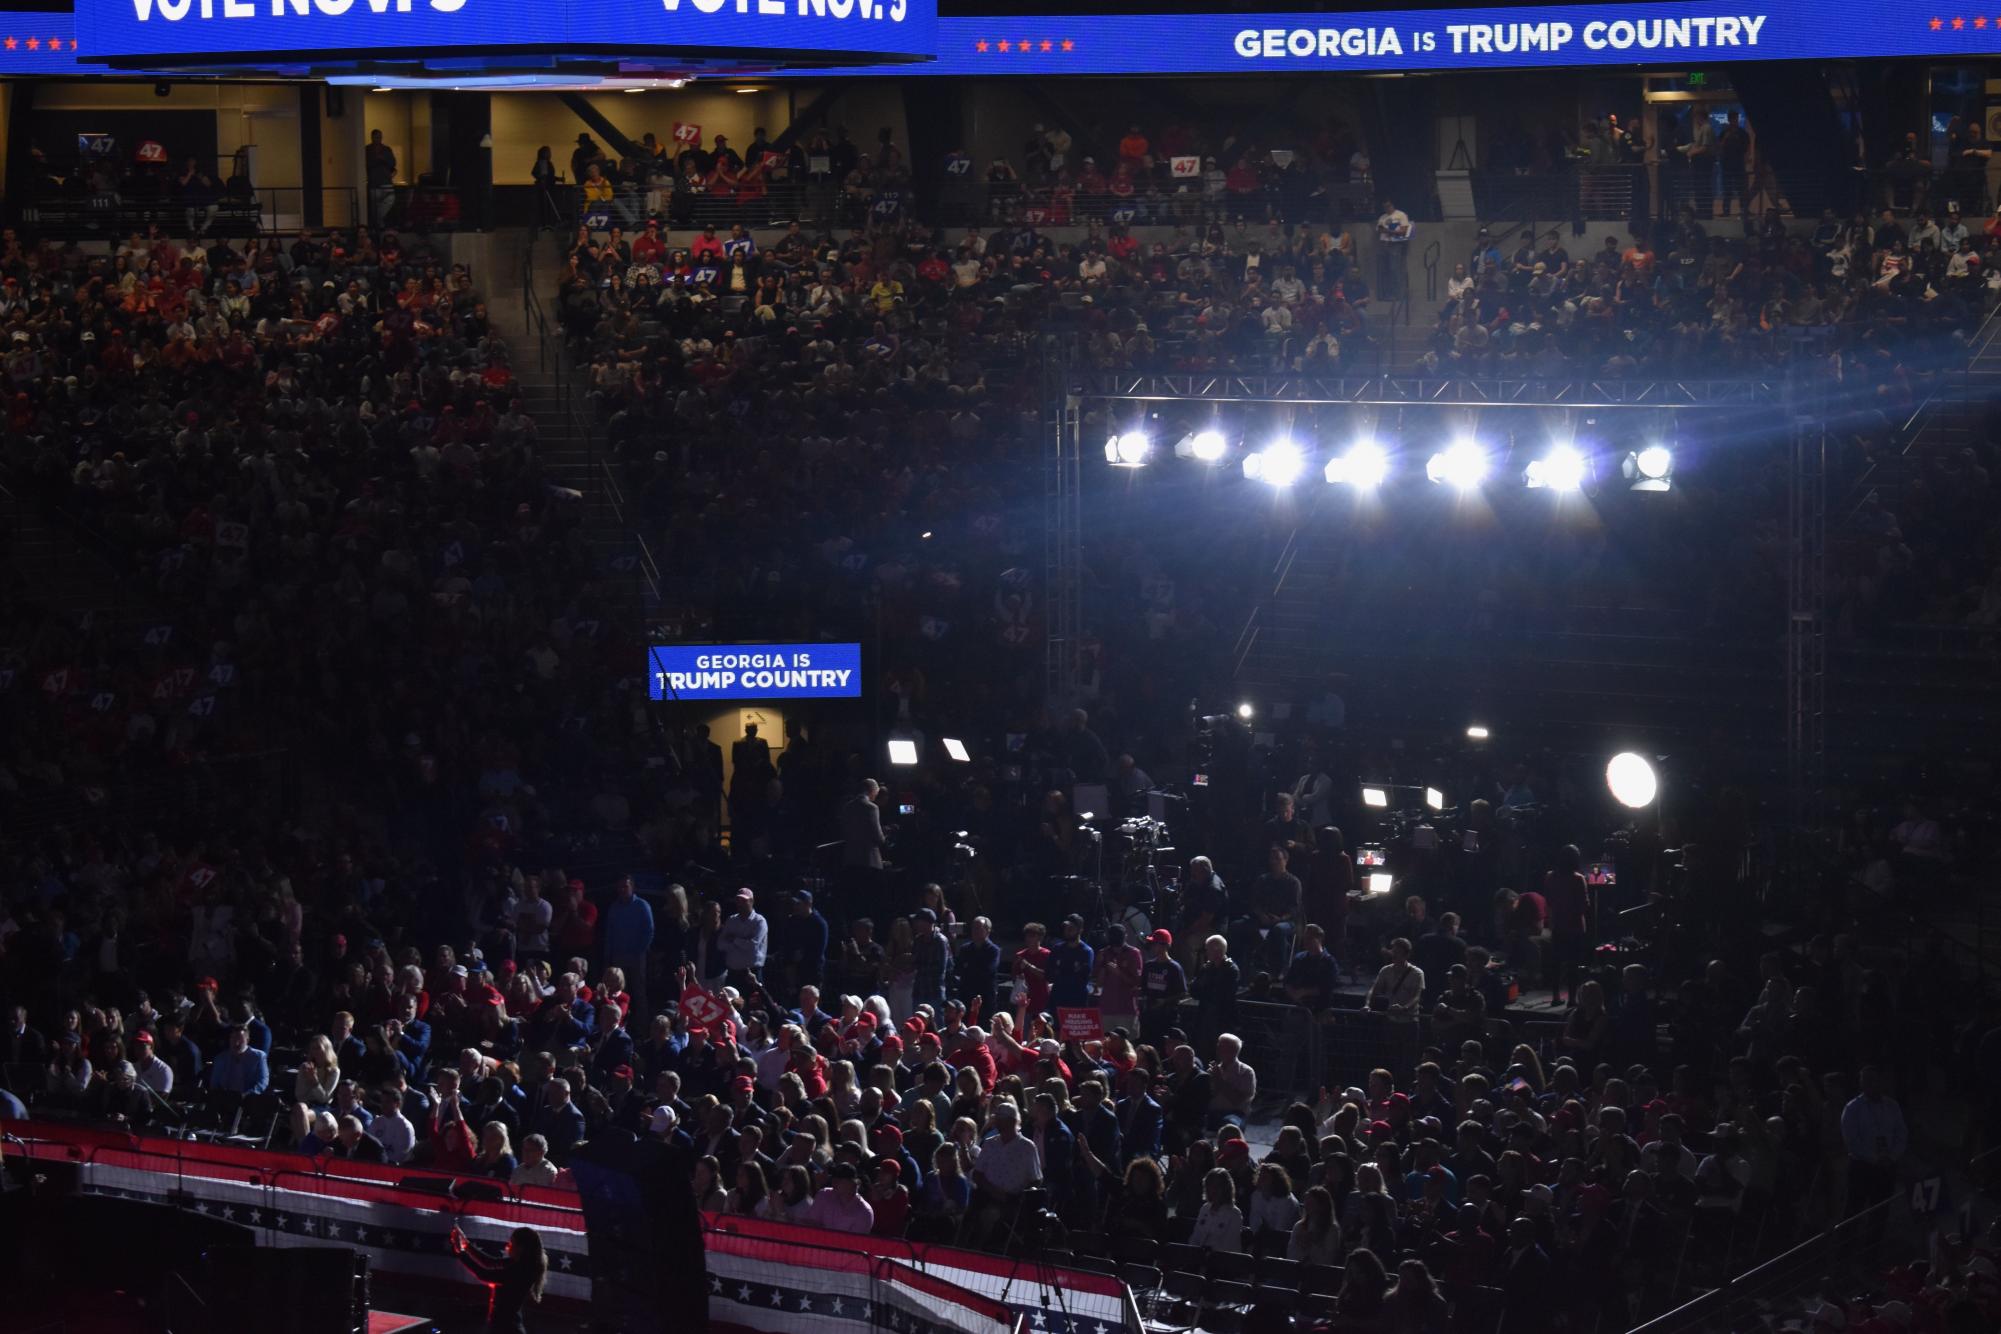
703	1007
685	133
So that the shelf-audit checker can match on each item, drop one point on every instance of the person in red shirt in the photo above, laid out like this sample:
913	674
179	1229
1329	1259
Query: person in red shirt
933	268
575	929
1031	968
1133	147
708	246
890	1199
650	246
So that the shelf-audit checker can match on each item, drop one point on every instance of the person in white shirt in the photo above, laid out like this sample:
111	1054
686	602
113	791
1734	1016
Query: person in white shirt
1233	1085
1220	1225
1008	1163
393	1128
1316	1237
535	1168
1399	986
1273	1208
150	1070
742	940
1092	268
1392	224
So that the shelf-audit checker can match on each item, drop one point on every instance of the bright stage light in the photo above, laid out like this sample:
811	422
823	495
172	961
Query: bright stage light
1632	780
1463	466
1375	797
1477	732
956	750
1209	446
1649	469
1380	882
1245	710
1363	467
1128	450
1434	799
1277	464
903	752
1562	469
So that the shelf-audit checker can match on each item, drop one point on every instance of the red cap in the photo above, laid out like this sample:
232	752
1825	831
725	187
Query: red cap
891	1166
887	1134
1161	936
743	1084
914	1026
143	1036
1381	1129
207	984
892	1043
622	1072
1399	1100
1235	1151
697	1030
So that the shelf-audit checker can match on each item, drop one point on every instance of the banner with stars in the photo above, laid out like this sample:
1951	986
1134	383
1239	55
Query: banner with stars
398	1237
765	1277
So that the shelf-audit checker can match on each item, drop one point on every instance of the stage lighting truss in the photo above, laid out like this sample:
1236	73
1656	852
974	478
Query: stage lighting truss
1465	462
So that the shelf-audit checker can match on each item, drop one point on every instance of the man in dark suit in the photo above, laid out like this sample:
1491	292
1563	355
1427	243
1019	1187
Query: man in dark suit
560	1121
1057	1148
705	767
24	1045
1139	1118
354	1143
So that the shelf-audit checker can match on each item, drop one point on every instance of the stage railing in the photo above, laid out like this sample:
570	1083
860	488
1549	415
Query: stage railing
403	1215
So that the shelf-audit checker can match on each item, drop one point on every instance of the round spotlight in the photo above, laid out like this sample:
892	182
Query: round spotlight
1464	466
1562	469
1363	467
1278	464
1245	711
1632	780
1654	462
1132	448
1209	446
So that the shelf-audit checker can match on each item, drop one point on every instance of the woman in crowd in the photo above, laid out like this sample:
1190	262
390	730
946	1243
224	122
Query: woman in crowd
747	1199
1415	1305
1220	1224
1316	1237
496	1152
514	1281
1273	1210
710	1197
1138	1208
